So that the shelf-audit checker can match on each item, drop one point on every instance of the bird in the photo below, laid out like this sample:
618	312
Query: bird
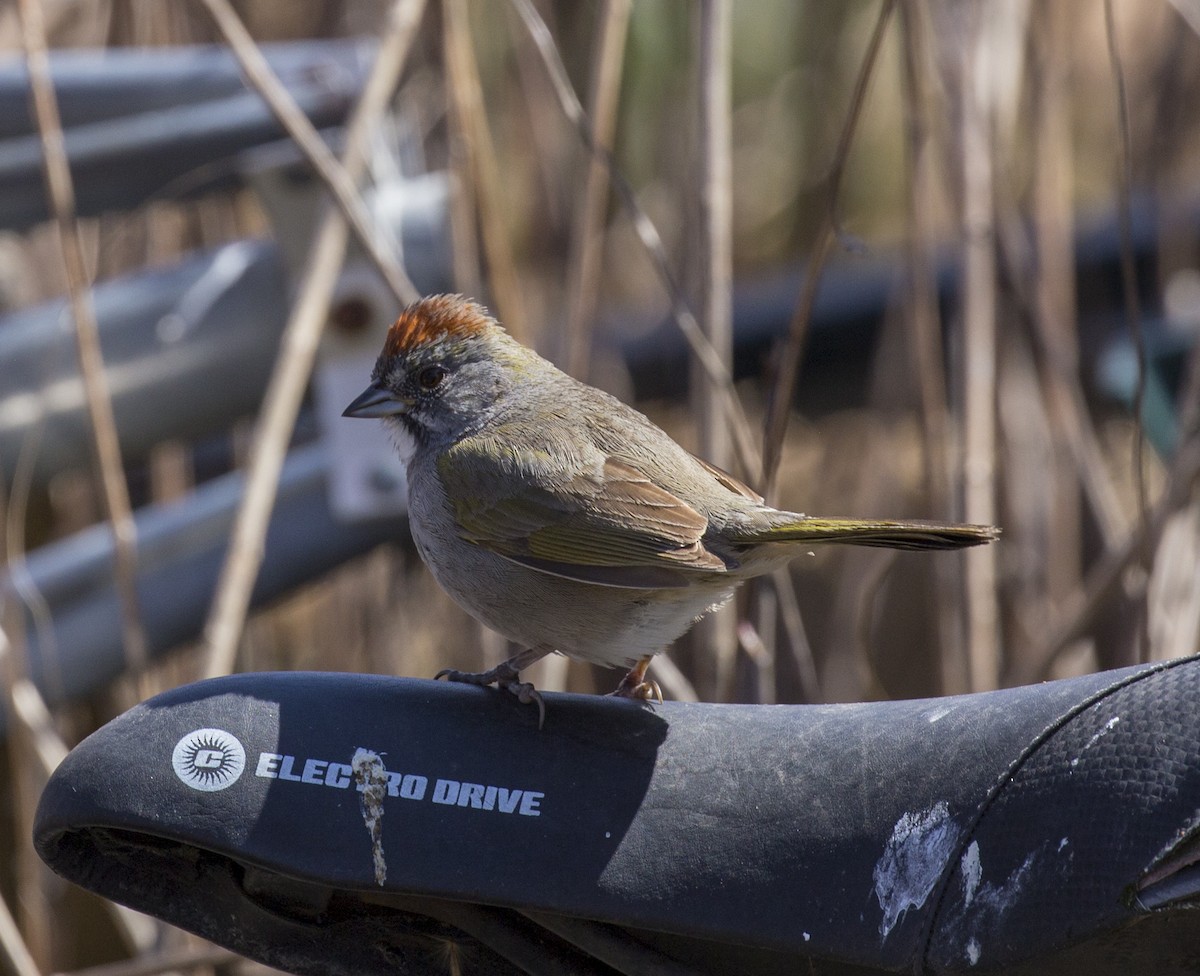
565	519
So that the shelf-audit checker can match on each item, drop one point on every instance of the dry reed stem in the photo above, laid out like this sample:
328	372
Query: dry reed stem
716	220
300	340
35	750
43	743
338	180
23	951
797	637
1069	409
978	222
714	366
849	674
61	192
716	635
1175	580
585	251
780	402
925	330
1133	312
16	954
1189	13
30	598
1029	455
1106	574
1173	591
674	682
469	115
870	590
1053	300
1076	460
114	490
467	272
761	655
1054	335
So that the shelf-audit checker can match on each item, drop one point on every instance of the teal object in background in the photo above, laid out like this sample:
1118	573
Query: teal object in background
1167	352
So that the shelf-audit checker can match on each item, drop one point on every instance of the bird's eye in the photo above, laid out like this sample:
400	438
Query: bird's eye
431	377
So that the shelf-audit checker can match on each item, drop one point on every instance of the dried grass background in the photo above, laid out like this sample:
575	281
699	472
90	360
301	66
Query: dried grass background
755	136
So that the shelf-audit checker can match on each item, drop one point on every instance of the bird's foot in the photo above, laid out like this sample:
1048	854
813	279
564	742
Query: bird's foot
647	691
504	676
637	686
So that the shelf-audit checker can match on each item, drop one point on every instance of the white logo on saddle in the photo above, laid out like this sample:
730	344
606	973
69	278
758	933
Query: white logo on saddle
208	759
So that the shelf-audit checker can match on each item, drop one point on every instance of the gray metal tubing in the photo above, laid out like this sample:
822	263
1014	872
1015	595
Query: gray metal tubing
181	547
93	85
188	350
121	163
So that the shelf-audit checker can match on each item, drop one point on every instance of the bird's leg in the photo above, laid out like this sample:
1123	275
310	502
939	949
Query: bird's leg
635	684
507	676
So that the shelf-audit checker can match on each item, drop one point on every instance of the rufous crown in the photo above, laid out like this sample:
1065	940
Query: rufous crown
435	318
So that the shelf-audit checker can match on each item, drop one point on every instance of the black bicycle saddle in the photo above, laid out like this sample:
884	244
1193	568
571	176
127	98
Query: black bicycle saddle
332	823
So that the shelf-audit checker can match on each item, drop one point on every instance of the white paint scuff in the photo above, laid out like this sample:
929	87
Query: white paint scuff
371	775
1108	727
972	872
992	902
973	952
912	861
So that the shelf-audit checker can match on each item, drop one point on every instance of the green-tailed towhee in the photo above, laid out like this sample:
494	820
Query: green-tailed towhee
563	518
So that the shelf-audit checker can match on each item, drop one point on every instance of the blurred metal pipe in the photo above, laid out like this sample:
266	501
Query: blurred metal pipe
180	549
188	348
96	84
157	126
854	295
121	163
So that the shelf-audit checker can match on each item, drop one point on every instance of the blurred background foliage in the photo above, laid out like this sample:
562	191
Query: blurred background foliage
987	151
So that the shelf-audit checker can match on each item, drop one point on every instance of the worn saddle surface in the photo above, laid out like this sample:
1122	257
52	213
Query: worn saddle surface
332	823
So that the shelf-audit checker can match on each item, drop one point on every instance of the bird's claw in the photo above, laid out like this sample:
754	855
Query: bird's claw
466	677
527	694
502	676
647	690
637	686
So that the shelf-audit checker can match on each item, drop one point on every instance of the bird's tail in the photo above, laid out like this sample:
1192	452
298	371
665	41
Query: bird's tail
898	534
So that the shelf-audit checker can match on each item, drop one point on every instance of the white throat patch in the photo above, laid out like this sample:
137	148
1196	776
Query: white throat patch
406	445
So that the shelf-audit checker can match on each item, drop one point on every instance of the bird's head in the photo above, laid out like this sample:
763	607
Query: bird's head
446	367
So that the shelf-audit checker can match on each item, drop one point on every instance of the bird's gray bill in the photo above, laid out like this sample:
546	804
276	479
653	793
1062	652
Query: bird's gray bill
375	401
